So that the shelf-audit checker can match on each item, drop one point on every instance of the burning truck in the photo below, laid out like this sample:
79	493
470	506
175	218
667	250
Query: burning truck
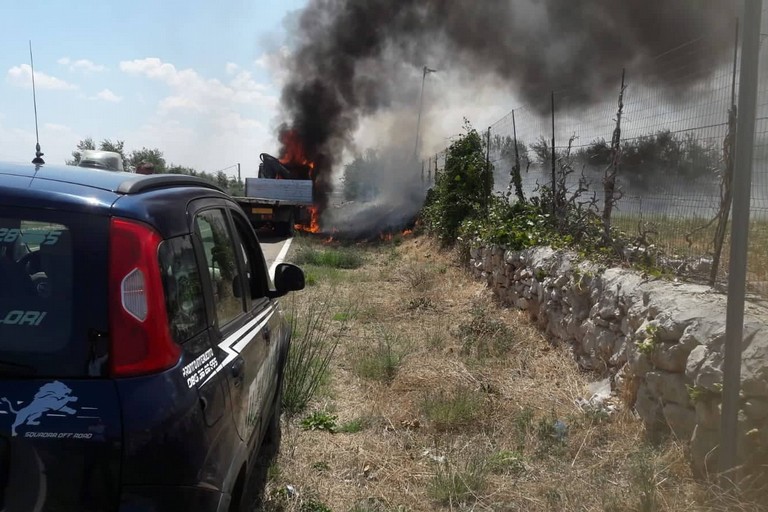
281	197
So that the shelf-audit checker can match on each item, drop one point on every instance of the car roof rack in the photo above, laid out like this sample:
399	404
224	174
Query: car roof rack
139	183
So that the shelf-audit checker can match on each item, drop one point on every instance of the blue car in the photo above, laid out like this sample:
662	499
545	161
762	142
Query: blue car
142	344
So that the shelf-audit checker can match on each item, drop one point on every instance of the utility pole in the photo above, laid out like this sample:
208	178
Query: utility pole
424	74
238	172
742	182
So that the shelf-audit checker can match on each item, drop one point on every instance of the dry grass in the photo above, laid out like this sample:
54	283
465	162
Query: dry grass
684	237
457	429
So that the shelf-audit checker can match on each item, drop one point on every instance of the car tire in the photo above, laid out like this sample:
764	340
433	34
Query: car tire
254	488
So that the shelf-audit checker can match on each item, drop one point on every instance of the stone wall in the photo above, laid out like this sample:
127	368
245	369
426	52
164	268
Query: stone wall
662	341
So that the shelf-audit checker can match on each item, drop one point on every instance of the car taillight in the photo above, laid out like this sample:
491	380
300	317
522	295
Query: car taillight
141	341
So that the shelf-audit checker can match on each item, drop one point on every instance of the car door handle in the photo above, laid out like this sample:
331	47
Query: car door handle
237	370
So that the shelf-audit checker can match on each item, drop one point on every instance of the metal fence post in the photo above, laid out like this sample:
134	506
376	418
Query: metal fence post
734	326
488	175
554	179
727	181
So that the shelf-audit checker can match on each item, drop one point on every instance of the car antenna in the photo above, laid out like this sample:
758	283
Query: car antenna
38	160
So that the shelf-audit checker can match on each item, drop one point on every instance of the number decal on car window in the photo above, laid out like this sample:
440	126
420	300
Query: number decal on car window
10	235
52	237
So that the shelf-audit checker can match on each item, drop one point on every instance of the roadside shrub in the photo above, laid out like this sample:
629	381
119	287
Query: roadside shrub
462	189
515	226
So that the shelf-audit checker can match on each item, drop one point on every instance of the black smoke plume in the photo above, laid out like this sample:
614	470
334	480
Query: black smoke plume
352	57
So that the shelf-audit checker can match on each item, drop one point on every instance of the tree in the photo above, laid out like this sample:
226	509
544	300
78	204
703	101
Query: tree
222	180
506	148
542	150
180	169
83	145
151	156
360	177
598	152
116	147
236	187
105	145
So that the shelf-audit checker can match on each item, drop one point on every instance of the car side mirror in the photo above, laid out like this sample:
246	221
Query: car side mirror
288	278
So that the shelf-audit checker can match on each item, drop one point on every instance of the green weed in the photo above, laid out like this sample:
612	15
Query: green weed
315	338
452	410
645	479
457	485
484	336
341	258
354	426
507	462
382	361
320	420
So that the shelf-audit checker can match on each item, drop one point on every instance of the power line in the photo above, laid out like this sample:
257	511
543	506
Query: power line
233	166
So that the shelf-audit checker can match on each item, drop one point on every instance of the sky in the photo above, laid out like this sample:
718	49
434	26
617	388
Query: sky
200	80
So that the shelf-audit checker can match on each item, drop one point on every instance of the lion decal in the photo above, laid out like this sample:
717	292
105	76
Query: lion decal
53	396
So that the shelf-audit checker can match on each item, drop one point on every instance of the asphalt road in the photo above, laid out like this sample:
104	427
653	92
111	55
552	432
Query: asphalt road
272	247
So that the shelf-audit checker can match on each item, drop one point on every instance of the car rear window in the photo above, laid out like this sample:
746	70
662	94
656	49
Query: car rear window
182	286
52	293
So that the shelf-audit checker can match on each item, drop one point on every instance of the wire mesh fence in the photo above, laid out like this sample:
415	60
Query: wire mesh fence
675	158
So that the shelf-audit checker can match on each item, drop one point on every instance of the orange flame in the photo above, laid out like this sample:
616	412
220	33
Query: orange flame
293	152
293	155
407	232
314	221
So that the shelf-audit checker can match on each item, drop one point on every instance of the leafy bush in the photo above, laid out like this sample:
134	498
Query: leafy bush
462	189
515	226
